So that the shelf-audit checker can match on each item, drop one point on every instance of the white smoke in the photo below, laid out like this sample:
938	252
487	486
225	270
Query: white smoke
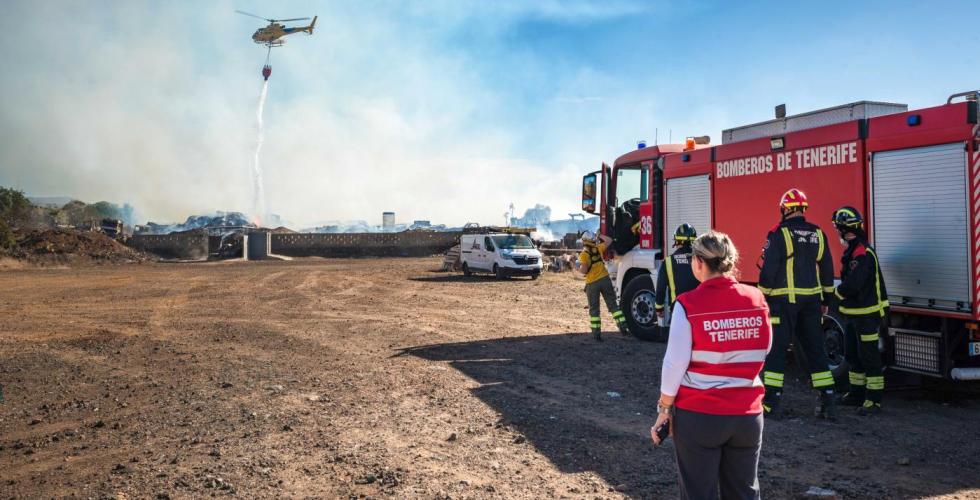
430	134
258	185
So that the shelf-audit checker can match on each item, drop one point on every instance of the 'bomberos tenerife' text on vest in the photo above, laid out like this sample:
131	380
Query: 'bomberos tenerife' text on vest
730	333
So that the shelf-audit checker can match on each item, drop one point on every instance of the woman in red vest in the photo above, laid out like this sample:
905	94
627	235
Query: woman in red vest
710	391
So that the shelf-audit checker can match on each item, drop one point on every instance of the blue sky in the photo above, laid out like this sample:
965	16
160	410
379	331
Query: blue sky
441	110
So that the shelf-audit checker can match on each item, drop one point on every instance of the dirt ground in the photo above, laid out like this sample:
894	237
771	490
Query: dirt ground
382	378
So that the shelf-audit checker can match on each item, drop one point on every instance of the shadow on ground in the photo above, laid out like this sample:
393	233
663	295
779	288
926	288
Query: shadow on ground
588	406
459	278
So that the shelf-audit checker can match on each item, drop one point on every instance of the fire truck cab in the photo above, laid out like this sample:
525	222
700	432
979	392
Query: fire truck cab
915	176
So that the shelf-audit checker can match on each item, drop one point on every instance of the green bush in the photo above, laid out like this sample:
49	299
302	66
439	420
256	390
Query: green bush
7	240
14	206
104	210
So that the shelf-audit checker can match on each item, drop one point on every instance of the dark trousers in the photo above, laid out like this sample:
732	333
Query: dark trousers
861	335
804	319
717	453
602	287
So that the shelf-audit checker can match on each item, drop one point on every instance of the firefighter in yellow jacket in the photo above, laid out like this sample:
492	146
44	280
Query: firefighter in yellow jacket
597	282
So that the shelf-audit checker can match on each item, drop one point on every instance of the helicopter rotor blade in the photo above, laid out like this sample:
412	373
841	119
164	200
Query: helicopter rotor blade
294	19
253	15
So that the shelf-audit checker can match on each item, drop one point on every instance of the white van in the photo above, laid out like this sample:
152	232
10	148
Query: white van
502	254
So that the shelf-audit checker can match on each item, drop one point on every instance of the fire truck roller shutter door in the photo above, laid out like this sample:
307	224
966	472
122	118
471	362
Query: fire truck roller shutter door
920	224
688	200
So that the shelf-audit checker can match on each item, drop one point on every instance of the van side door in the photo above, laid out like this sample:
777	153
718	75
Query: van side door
476	253
489	253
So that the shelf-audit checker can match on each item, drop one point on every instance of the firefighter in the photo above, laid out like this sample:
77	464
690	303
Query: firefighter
863	303
797	278
597	282
675	276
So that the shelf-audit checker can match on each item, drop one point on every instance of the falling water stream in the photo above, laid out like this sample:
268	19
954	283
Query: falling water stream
258	186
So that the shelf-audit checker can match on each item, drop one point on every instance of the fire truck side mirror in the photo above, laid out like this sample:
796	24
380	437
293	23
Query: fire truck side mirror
589	193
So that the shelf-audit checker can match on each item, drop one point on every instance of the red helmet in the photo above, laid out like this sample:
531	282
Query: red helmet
793	199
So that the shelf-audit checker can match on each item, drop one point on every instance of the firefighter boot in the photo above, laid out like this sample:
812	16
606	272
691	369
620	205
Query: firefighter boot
770	404
827	405
622	328
869	409
854	397
620	321
597	334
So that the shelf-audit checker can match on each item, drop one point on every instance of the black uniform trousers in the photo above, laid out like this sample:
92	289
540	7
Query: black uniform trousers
804	318
717	454
861	334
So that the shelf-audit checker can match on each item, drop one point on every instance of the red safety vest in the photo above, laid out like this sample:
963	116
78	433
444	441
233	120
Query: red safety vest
730	333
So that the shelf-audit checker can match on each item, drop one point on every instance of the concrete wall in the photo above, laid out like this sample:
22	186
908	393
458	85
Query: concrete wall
194	246
183	246
404	244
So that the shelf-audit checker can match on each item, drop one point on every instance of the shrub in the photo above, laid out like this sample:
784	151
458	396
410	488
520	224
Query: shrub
7	240
14	206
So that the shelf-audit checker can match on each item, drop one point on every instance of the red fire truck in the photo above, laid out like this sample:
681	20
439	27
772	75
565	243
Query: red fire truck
914	174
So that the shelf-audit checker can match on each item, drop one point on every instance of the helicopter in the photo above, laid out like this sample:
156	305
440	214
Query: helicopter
272	35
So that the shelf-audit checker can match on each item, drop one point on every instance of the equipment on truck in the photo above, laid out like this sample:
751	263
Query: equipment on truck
906	170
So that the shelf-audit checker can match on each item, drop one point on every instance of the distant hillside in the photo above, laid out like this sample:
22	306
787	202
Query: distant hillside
50	201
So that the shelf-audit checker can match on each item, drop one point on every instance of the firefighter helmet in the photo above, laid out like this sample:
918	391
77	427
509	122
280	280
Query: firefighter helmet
588	236
847	218
792	200
685	232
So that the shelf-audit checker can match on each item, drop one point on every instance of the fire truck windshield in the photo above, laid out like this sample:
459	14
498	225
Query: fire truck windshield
631	182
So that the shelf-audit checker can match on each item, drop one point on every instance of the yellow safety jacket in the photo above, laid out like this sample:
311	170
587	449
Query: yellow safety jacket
592	255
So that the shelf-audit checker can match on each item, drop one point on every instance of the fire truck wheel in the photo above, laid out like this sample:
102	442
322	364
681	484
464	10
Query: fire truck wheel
833	329
637	301
466	270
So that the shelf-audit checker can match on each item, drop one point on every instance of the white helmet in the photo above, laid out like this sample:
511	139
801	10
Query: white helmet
588	235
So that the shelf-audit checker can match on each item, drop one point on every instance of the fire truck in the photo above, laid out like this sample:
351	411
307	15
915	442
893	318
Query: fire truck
915	175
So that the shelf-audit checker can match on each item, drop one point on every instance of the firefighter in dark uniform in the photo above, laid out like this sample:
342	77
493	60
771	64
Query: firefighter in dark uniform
797	278
864	304
675	276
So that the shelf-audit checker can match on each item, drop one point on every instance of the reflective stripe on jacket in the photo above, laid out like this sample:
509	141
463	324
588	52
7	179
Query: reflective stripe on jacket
675	277
730	336
862	287
592	255
796	263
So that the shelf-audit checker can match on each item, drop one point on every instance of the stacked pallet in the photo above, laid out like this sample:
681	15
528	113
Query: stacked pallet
452	260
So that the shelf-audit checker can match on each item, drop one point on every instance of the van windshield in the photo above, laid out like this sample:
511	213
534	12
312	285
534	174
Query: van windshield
512	241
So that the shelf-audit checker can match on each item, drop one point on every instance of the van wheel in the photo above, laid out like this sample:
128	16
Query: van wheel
638	303
466	270
498	272
535	276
